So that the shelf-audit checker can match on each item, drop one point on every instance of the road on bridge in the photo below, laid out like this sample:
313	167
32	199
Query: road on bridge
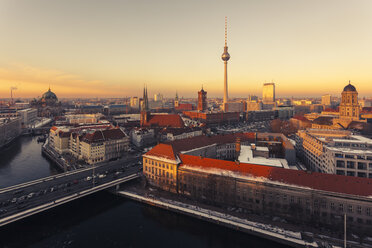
25	196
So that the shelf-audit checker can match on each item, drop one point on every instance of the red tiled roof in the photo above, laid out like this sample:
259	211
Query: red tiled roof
170	149
185	106
162	150
314	180
165	120
54	128
102	135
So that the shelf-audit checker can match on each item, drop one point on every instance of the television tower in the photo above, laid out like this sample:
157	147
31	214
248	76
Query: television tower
225	57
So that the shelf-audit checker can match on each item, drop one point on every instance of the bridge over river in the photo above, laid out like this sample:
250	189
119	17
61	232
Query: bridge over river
26	199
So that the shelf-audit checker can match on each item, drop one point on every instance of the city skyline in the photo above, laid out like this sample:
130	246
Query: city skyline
112	49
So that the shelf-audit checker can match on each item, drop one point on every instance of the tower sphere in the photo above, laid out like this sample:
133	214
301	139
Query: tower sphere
225	56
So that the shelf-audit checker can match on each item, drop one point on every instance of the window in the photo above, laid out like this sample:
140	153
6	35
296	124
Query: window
341	207
340	172
340	164
350	209
359	210
350	164
368	211
362	174
338	155
362	166
350	173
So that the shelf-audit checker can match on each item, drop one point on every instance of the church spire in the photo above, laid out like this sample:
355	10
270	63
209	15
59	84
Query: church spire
145	103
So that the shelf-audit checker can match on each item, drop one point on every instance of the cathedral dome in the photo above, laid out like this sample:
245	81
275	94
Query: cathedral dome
349	87
49	95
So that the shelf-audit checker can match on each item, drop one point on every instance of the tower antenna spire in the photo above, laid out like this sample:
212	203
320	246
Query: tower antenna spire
225	30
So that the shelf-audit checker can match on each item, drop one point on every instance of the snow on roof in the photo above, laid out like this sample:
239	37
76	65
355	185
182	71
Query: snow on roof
246	156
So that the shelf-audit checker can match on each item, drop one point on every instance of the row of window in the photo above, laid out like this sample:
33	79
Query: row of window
249	194
162	165
158	172
353	174
352	165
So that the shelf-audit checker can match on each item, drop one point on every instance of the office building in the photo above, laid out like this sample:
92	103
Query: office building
268	93
335	152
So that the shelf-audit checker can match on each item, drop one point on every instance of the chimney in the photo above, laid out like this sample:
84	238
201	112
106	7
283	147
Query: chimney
237	147
253	147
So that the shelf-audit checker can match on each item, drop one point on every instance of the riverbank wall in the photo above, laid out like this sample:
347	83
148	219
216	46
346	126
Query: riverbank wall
275	234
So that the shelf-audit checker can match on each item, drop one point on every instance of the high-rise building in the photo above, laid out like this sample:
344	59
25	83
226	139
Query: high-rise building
225	57
134	102
202	100
268	93
158	97
326	100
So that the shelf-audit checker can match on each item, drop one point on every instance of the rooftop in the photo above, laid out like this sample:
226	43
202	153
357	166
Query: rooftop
246	156
318	181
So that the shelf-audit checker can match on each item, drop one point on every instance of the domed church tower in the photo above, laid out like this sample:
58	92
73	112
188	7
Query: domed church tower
349	107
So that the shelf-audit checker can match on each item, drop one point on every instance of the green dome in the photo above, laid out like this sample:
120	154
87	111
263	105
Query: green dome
49	95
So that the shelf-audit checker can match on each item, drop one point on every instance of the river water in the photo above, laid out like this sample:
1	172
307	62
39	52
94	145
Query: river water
103	219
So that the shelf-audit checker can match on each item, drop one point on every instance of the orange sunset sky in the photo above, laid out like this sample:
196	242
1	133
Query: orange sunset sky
112	48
